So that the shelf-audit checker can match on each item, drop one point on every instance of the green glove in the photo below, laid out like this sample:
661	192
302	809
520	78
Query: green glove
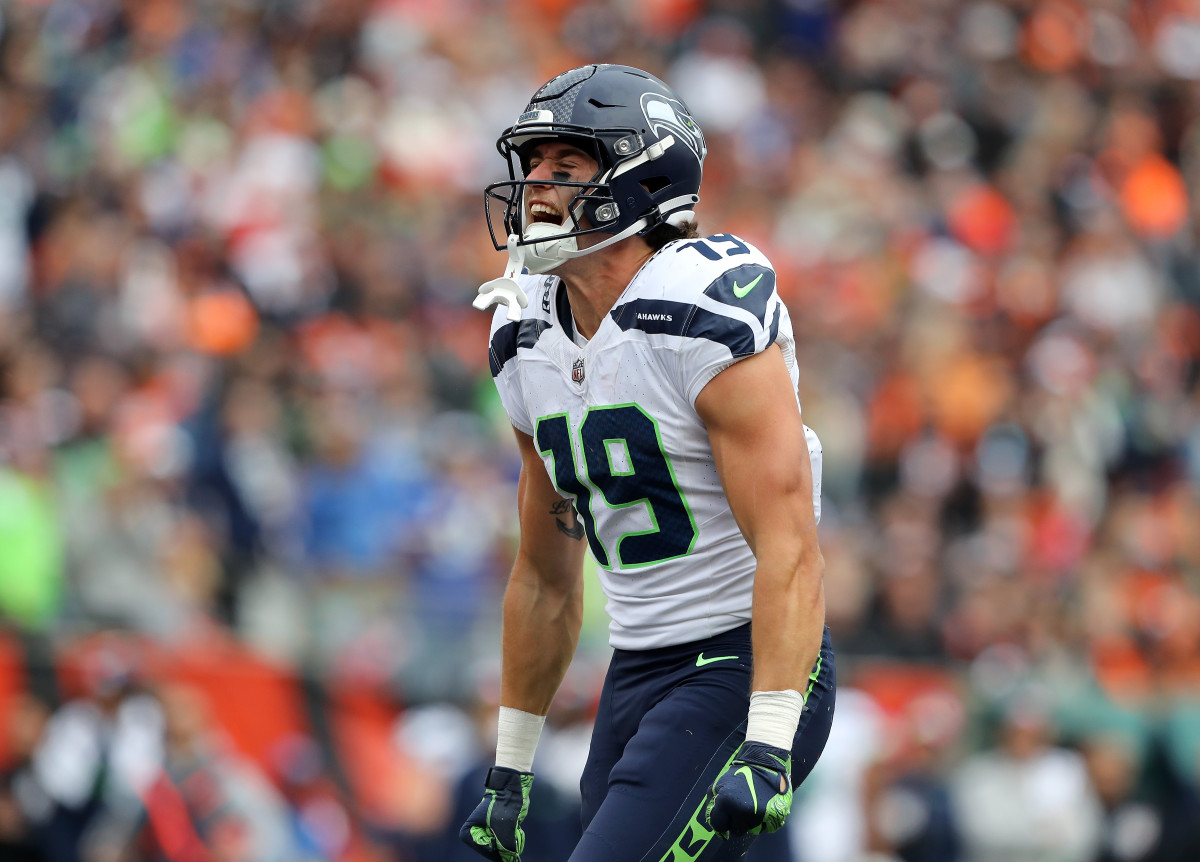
494	828
753	794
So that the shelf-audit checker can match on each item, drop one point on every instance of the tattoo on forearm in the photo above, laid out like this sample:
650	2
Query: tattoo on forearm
570	527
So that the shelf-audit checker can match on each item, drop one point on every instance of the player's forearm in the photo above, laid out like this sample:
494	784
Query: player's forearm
542	621
789	615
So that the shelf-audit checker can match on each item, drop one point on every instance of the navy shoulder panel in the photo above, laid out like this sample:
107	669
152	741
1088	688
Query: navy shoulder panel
665	317
503	346
748	286
733	333
509	337
656	316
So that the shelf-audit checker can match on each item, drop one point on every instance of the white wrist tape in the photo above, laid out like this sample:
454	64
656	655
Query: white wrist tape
517	735
773	717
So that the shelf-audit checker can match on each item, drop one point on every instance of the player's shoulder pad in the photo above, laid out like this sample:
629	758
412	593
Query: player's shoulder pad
509	335
722	267
720	288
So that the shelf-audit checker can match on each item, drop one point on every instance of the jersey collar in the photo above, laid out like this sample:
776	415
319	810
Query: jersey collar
562	310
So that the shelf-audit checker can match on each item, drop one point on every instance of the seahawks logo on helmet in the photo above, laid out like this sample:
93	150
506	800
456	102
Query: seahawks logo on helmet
535	117
668	116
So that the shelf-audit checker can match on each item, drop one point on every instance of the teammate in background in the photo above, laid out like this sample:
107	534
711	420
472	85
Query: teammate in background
651	379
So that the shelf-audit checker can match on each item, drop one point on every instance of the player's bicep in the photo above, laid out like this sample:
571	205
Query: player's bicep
552	536
759	446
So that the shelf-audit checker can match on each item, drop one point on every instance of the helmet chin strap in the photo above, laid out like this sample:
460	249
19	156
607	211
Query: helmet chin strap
536	258
677	217
544	256
547	255
539	257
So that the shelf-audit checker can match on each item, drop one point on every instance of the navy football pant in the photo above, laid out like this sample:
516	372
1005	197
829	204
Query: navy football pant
668	722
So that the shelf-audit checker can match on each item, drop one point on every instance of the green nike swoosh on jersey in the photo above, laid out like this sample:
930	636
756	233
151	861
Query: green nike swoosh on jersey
701	661
739	292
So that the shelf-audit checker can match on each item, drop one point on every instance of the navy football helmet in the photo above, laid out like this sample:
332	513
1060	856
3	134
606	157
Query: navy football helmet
649	150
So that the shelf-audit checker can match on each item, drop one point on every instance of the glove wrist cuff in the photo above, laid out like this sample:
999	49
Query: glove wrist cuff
517	735
774	717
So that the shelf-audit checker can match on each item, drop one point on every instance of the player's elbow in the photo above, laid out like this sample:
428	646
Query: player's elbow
807	569
811	573
792	565
554	588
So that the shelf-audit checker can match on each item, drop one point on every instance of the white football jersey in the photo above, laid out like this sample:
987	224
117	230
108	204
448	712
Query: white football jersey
616	424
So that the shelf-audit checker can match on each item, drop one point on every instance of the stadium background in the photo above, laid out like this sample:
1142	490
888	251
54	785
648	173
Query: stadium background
252	464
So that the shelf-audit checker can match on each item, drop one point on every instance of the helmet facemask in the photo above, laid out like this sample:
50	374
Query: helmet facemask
650	155
592	210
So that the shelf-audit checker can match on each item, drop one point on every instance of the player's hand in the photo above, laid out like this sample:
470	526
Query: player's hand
753	794
494	827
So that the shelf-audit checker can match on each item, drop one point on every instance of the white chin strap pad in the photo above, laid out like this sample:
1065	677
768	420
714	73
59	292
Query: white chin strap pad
544	256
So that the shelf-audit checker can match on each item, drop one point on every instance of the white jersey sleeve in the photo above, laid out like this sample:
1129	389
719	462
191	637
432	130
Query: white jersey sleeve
735	310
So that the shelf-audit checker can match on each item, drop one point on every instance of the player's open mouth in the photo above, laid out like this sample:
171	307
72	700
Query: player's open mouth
545	213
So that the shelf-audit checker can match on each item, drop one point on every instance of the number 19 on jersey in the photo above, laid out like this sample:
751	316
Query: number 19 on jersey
622	458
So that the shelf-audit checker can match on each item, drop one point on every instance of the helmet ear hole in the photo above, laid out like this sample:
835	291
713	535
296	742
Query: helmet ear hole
655	184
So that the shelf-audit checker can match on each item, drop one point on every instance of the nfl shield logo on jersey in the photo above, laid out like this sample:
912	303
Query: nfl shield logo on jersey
577	370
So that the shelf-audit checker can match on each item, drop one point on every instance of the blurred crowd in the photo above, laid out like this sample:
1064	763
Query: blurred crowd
244	397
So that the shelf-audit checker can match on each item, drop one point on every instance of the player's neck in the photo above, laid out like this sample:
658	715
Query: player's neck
596	281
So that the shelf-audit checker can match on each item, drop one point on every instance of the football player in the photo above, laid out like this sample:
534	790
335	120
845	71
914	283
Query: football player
650	375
